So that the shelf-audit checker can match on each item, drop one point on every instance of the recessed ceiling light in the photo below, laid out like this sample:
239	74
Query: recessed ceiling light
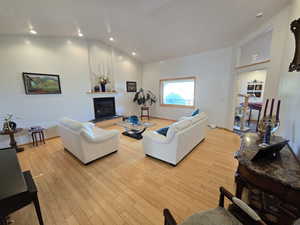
133	53
32	31
111	39
260	14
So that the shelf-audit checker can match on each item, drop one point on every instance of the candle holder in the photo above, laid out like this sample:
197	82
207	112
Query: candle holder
269	124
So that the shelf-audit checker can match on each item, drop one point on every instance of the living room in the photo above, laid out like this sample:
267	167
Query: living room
134	117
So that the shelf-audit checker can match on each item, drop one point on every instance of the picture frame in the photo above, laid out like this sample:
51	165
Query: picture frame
39	83
131	86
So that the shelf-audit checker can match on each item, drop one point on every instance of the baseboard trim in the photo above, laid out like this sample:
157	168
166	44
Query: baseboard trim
226	129
46	139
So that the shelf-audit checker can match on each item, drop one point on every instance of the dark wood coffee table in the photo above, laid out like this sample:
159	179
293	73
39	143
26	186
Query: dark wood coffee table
11	134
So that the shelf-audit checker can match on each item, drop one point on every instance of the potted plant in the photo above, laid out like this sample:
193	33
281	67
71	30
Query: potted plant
142	97
8	124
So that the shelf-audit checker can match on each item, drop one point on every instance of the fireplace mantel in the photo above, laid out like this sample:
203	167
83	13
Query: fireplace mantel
101	93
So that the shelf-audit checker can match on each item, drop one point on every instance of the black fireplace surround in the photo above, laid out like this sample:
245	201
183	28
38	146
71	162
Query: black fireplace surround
104	108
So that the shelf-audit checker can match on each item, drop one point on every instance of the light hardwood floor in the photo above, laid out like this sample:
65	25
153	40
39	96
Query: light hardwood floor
127	188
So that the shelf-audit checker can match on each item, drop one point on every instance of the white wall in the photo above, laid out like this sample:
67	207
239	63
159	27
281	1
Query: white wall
55	56
260	47
289	88
213	72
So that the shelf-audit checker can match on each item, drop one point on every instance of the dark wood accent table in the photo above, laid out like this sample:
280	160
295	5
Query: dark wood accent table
274	186
35	133
17	188
13	143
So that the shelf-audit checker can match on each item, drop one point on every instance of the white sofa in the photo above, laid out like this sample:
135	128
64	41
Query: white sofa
86	141
180	140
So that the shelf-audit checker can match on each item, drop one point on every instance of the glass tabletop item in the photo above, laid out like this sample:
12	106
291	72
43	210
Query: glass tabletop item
134	126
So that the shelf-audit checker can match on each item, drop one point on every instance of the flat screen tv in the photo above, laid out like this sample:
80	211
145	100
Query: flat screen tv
38	83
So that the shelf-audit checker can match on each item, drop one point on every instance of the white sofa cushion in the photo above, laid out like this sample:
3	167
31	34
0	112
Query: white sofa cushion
198	117
88	128
181	125
98	135
176	127
72	124
171	133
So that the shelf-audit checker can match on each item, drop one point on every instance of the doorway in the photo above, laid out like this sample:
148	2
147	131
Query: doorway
249	100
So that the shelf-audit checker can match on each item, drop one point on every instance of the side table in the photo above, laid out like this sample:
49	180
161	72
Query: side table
145	109
35	133
11	134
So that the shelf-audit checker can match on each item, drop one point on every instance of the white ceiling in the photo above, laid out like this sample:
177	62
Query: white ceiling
155	29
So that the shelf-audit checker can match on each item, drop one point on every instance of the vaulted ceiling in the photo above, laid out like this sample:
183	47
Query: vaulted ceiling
155	29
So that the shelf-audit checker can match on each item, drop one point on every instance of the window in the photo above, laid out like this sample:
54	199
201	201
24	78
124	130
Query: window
178	92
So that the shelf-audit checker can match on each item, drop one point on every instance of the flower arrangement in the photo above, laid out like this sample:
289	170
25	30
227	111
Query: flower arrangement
8	123
103	80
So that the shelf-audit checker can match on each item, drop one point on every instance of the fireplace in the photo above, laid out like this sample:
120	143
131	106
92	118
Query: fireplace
104	108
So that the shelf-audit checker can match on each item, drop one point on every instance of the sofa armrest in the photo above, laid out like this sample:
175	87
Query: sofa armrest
99	138
183	118
89	124
156	137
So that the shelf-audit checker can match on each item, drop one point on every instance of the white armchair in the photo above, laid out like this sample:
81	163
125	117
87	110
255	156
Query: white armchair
86	141
181	139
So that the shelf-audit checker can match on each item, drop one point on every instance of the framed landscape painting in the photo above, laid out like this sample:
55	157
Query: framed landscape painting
38	83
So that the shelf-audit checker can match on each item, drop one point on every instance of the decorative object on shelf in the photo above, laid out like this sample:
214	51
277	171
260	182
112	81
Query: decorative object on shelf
269	124
108	87
8	124
38	83
103	80
131	86
295	64
96	88
143	97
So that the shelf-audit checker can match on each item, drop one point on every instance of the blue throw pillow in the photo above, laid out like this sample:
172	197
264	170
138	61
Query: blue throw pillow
196	112
163	131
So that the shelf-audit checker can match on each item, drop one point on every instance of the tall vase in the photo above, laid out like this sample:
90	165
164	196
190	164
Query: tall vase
103	87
